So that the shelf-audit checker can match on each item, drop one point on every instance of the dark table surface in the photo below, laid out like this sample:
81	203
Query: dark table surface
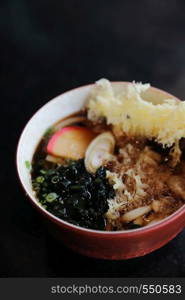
48	47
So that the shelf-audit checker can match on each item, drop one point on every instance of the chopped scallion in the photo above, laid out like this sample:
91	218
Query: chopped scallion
49	132
51	197
27	164
55	179
43	171
40	179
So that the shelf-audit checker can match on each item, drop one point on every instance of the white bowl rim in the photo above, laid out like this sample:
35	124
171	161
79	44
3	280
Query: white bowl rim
57	220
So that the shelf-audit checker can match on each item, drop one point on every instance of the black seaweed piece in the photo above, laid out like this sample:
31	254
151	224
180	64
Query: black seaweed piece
81	197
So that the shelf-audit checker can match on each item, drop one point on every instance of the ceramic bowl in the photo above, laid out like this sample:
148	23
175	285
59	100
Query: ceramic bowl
94	243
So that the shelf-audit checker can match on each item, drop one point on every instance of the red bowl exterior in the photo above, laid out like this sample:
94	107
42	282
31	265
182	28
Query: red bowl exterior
114	245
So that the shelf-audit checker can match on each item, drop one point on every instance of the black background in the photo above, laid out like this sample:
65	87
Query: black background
48	47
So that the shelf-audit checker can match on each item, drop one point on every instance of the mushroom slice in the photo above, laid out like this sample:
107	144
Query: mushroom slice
99	150
69	121
135	213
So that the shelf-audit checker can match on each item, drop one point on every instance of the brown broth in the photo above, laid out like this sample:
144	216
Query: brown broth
157	174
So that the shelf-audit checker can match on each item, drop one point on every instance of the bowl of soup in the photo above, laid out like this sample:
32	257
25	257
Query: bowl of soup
104	164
